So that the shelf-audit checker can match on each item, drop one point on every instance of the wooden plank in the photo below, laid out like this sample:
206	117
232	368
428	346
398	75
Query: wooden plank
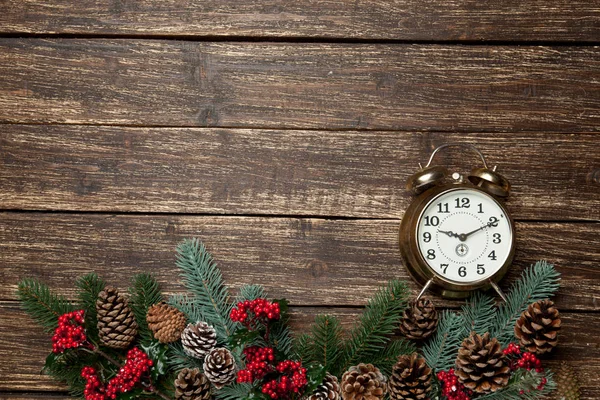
509	20
300	85
24	350
342	261
314	173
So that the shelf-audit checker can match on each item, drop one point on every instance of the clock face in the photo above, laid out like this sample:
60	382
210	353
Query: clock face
464	236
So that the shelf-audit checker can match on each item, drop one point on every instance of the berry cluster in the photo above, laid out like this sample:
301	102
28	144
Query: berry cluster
451	387
292	382
257	310
259	362
136	365
70	332
525	360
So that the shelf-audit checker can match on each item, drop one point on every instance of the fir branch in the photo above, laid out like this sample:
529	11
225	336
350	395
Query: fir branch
389	357
326	342
144	293
90	286
377	323
282	339
177	359
303	347
235	391
204	280
478	313
41	304
188	306
440	350
523	386
251	292
538	282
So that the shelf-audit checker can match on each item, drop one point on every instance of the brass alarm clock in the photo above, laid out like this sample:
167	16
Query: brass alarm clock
457	235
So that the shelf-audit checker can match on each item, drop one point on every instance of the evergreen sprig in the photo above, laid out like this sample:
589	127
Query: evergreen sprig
326	345
41	304
478	313
90	286
204	281
523	385
389	357
441	349
144	293
234	391
377	323
538	282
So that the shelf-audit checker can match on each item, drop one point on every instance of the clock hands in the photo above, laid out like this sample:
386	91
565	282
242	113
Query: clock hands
463	236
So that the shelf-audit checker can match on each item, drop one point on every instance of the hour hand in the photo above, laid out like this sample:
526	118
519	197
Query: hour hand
449	233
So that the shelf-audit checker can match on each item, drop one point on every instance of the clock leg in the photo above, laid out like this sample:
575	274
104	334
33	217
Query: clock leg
498	290
427	284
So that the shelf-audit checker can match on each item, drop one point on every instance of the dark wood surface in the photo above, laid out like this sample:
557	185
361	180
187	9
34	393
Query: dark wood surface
282	134
507	20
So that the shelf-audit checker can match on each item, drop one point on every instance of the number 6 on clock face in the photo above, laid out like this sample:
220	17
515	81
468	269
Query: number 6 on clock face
464	235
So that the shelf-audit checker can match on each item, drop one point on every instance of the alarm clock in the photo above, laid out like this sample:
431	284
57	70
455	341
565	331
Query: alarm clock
457	236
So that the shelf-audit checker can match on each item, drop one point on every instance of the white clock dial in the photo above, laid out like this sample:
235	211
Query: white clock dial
464	236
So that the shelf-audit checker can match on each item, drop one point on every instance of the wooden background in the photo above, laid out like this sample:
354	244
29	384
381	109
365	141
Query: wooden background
282	134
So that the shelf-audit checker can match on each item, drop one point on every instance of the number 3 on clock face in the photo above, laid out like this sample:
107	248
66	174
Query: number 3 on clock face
464	236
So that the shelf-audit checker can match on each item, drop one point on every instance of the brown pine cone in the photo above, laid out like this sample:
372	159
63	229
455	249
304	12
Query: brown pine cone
166	322
198	339
419	320
410	379
537	328
219	367
567	386
363	382
329	389
117	327
191	384
481	364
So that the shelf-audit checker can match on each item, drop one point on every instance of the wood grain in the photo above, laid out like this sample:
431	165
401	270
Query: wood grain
235	171
341	261
300	85
24	349
439	20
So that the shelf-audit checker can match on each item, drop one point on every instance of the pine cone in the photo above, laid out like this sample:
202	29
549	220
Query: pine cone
480	364
117	327
198	339
329	389
410	379
219	367
419	320
363	382
567	387
191	384
166	322
537	328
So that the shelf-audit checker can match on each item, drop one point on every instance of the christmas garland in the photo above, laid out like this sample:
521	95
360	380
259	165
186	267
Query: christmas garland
207	345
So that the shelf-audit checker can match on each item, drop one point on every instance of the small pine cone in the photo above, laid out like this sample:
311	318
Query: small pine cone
363	382
166	322
117	327
191	384
481	364
410	379
198	339
419	320
329	389
567	386
219	367
537	328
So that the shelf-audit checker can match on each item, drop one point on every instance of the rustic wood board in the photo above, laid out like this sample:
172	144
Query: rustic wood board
300	85
439	20
314	173
28	347
341	261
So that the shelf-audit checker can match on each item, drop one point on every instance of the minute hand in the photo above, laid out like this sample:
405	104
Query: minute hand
463	236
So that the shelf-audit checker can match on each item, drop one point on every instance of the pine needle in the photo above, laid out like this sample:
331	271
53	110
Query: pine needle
90	286
441	350
144	293
41	304
327	344
235	391
389	357
538	282
523	386
478	313
205	283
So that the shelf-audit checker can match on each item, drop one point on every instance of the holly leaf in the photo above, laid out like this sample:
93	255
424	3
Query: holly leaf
157	353
243	337
51	361
315	373
133	394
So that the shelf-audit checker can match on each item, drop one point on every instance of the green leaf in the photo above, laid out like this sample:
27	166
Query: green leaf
158	354
315	374
43	306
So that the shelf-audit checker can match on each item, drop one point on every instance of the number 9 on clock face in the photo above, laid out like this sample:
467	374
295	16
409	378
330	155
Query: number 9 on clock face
464	236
